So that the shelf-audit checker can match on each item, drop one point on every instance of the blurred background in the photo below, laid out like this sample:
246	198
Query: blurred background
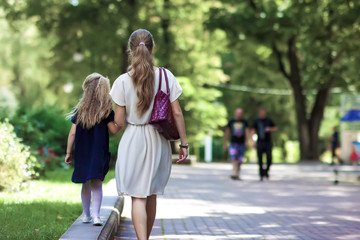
298	59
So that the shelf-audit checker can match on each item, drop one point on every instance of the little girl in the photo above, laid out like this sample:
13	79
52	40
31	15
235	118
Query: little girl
92	118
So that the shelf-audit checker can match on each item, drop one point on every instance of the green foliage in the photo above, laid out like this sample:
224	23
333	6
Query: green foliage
92	36
17	164
8	104
50	44
43	126
52	210
308	46
24	61
247	68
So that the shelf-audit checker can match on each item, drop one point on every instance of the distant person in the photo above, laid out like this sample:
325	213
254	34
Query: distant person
92	118
334	139
264	126
239	130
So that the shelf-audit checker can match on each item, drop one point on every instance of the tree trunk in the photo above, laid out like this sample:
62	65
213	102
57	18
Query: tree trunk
132	7
308	127
300	101
124	58
166	48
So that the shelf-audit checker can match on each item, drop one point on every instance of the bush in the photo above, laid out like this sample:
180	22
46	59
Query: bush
17	164
43	127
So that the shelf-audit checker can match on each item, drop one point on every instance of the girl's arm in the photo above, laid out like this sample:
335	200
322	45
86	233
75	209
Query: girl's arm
119	120
180	124
70	144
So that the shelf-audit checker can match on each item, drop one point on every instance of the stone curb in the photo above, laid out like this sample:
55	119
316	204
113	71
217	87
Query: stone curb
111	209
113	222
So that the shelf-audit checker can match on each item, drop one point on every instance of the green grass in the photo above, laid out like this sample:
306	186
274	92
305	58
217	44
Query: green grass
45	209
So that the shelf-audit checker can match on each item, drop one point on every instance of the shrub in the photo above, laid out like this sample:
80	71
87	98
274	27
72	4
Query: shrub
44	126
17	164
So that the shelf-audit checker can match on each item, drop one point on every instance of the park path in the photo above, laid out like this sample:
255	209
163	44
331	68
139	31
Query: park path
299	202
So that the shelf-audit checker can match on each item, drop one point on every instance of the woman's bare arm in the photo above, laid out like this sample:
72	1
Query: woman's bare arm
113	127
180	124
119	120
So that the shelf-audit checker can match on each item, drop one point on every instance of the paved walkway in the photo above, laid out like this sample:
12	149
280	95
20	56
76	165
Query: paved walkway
299	202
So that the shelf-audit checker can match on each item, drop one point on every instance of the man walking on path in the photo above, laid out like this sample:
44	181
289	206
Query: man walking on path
239	130
264	126
334	145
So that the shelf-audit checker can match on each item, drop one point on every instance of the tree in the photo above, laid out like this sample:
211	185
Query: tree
313	44
254	71
92	36
21	62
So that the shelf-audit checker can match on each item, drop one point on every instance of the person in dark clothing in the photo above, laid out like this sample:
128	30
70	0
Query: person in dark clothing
239	130
334	145
264	126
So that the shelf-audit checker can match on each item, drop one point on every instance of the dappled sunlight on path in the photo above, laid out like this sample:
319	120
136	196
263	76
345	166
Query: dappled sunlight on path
299	202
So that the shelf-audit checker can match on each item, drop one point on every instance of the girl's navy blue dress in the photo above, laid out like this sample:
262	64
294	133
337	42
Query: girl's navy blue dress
92	156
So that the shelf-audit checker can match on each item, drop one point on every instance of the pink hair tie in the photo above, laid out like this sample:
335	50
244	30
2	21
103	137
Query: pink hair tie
141	43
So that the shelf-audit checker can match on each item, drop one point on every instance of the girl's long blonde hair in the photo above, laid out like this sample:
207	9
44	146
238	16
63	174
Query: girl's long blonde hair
141	68
95	104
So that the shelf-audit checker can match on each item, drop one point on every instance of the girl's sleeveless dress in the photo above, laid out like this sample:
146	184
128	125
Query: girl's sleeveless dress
144	156
91	155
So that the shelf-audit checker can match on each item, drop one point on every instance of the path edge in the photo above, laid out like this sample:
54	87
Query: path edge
113	222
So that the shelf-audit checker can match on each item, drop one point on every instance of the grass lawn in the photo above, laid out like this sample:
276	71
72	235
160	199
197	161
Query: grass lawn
44	210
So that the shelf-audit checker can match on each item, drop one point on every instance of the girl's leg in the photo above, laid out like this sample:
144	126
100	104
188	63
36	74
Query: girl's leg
139	217
96	188
86	197
151	213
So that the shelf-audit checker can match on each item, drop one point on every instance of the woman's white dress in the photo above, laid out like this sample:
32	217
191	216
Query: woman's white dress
144	156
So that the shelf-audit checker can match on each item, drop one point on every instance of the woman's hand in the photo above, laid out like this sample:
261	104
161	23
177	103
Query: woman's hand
183	154
68	158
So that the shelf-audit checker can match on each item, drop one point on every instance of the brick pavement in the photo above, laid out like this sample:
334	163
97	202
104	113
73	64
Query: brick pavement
299	202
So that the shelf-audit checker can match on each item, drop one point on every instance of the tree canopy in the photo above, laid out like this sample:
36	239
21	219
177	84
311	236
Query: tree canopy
81	37
309	46
212	47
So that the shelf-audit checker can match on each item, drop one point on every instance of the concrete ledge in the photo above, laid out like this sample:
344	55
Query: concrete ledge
110	213
112	224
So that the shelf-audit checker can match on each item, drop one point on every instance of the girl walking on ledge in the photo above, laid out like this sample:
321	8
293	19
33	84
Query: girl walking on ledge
92	118
144	156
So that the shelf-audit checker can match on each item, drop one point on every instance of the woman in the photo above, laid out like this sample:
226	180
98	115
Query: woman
144	156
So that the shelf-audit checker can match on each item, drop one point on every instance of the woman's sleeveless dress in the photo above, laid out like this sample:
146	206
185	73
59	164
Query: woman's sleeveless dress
144	156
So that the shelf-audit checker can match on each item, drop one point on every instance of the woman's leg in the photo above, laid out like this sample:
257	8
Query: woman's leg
96	188
86	198
139	217
151	213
